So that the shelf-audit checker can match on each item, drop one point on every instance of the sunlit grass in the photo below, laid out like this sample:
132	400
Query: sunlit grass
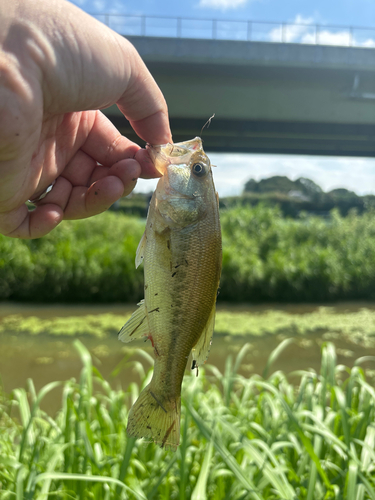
241	438
356	326
95	325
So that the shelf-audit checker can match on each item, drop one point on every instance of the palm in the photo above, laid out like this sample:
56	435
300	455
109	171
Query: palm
77	148
90	161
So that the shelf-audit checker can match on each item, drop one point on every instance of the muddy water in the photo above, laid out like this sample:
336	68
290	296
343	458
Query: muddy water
45	359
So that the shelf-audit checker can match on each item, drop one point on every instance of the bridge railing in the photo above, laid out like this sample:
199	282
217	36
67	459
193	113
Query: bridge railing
244	30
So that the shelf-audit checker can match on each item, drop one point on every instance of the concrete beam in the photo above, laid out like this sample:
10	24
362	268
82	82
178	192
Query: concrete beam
267	97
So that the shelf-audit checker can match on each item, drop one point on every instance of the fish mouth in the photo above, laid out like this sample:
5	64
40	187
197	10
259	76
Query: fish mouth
163	155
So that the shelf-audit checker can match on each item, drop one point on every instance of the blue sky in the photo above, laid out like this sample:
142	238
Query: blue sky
357	174
343	12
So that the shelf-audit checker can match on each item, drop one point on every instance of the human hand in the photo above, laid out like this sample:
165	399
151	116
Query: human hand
58	67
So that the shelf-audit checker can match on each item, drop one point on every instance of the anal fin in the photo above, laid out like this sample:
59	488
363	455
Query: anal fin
201	349
136	326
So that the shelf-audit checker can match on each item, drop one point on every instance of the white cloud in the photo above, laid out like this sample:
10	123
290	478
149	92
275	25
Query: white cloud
291	32
303	30
370	43
222	4
325	37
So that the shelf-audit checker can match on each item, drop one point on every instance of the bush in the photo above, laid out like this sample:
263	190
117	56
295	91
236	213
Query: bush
266	257
89	260
269	257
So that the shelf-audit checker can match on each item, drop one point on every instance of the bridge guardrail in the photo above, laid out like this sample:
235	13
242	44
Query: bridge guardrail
242	30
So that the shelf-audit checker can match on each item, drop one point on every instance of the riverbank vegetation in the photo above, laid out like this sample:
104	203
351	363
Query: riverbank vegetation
241	438
266	257
292	197
303	194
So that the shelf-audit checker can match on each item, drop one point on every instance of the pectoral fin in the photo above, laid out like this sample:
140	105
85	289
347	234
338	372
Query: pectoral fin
137	326
202	348
140	250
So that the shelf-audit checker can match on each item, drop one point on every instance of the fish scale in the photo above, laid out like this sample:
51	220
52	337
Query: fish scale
181	251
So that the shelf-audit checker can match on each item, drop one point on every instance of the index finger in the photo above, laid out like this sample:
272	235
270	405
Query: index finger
143	104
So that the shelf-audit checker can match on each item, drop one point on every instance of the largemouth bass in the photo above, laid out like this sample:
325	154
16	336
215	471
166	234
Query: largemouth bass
181	251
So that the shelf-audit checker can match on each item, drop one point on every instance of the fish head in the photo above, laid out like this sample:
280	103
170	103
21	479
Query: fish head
184	193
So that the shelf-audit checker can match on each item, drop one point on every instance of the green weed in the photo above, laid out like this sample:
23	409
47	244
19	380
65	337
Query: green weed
241	438
354	326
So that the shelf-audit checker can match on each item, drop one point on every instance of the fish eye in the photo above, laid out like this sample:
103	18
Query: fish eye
199	170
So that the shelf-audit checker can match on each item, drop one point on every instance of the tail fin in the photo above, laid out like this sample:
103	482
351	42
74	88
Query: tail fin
156	418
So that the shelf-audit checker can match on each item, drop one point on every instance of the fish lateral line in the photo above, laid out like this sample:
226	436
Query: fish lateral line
158	402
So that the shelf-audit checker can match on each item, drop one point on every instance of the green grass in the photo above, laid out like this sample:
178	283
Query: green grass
241	438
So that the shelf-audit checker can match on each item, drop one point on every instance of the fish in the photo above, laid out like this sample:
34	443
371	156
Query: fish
182	252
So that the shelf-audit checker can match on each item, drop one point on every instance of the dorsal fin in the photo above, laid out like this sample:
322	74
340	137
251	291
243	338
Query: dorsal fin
140	250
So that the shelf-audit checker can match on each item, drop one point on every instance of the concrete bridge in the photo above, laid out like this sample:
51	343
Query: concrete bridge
267	97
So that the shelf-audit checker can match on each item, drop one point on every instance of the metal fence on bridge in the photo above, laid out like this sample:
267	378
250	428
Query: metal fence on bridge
241	30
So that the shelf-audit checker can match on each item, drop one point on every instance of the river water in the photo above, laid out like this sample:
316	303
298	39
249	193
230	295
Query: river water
45	358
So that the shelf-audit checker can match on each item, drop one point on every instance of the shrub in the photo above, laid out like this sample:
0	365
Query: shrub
266	257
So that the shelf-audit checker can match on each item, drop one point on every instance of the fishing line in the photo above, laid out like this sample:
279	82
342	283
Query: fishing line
208	123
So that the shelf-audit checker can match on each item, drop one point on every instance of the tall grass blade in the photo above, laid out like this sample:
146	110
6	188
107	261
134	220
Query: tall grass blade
56	458
183	452
360	492
274	355
340	397
86	478
199	492
130	442
226	455
274	474
28	435
306	442
368	486
161	477
351	481
367	454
